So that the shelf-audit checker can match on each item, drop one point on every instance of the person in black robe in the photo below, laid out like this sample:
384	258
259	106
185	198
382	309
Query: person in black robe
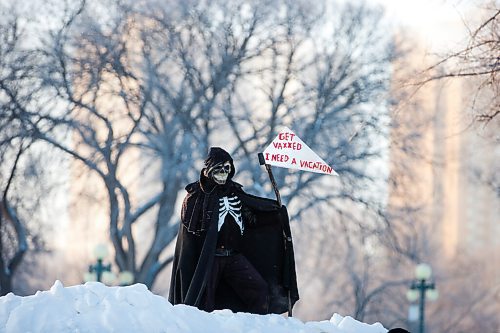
234	250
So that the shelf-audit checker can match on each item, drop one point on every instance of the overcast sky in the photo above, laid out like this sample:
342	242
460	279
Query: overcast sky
439	23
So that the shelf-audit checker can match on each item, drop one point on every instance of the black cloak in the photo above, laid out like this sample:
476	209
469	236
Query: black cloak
266	243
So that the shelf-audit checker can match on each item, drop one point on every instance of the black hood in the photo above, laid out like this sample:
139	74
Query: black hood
218	155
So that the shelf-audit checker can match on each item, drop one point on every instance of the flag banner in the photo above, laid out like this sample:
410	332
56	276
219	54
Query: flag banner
288	151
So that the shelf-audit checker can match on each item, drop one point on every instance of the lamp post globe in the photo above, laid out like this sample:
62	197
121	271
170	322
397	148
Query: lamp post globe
423	271
125	278
432	294
100	251
89	277
412	295
108	277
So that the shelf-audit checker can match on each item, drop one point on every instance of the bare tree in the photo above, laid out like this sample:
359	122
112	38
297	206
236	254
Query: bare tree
111	104
166	81
14	233
477	62
176	78
335	99
13	240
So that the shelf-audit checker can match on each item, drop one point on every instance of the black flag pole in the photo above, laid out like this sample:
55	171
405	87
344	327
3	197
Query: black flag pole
288	237
262	161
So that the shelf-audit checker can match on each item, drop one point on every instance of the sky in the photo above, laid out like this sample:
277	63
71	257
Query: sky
96	308
439	24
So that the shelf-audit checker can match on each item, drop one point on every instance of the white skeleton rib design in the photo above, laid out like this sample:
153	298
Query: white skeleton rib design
232	206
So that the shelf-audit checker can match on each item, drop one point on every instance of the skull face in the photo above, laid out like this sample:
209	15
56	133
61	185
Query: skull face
220	172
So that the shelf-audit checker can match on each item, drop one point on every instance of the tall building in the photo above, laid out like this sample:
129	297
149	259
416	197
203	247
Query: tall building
449	168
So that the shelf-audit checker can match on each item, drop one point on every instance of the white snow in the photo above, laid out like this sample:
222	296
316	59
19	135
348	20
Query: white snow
94	307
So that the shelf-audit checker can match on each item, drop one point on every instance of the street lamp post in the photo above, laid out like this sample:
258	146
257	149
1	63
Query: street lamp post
102	273
422	289
100	252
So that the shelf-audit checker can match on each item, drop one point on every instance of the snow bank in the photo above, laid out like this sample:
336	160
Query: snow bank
94	307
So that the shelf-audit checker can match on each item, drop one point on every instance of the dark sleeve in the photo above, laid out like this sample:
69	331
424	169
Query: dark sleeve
254	218
248	216
258	211
191	209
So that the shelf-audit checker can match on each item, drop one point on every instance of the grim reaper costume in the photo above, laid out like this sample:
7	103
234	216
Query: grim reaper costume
234	250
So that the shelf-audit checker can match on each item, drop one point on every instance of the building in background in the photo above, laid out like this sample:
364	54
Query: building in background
448	163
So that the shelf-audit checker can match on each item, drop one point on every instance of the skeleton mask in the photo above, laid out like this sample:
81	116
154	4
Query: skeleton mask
220	172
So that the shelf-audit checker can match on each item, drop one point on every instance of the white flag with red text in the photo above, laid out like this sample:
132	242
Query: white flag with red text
288	151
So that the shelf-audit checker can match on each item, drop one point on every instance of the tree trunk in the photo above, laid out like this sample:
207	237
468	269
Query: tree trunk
5	281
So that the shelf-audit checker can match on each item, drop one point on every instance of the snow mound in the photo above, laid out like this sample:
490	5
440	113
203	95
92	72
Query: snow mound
94	307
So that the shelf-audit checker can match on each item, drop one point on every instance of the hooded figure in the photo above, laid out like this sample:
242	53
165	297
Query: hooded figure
234	250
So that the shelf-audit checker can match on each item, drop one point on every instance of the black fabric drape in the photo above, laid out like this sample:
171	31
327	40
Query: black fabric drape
267	244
